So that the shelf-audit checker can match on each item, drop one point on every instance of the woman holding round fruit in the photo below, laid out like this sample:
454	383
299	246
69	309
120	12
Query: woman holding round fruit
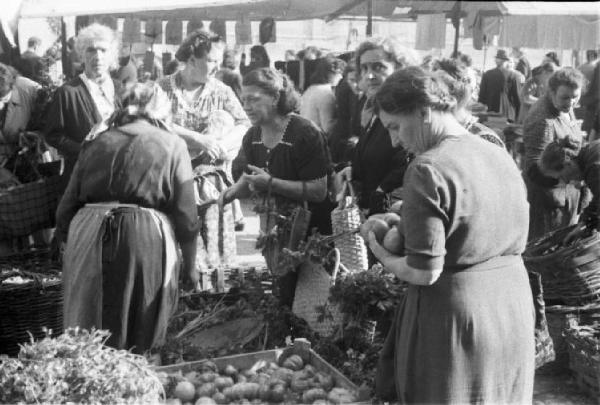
465	331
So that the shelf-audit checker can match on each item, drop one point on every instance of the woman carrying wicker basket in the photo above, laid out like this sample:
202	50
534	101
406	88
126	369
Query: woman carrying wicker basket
129	204
567	161
464	332
287	163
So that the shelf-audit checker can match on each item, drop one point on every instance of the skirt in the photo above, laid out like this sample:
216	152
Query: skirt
120	272
468	338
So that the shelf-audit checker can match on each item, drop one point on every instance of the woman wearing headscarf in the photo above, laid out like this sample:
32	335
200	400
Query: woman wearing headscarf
285	153
82	106
128	206
464	332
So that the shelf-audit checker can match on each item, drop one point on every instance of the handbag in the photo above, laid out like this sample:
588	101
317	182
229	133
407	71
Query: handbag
346	218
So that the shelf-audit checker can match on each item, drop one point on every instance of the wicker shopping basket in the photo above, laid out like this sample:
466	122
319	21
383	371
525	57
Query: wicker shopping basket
346	218
570	273
312	297
32	305
29	207
583	342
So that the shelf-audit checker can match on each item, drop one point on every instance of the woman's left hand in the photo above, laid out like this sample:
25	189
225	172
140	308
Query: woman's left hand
378	250
259	179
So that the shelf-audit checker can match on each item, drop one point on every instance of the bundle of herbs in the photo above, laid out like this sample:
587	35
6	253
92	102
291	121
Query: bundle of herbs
77	367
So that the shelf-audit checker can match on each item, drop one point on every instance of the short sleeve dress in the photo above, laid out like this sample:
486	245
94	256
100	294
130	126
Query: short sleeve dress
301	155
469	337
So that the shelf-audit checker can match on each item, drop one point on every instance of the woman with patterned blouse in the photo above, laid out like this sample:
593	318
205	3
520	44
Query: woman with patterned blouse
196	96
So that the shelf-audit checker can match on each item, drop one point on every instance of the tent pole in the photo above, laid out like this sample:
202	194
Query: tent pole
369	18
456	23
63	44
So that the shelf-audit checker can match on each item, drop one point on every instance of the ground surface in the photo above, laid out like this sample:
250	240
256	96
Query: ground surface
551	388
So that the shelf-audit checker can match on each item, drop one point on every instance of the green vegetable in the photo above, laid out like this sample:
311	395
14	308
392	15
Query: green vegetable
77	367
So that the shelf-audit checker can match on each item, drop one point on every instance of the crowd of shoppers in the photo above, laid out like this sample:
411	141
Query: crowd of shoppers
394	126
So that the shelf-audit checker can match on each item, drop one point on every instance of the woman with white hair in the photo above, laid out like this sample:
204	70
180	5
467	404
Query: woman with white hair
129	203
82	106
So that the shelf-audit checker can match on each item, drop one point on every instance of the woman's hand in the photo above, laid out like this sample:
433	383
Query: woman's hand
378	250
198	143
258	180
341	178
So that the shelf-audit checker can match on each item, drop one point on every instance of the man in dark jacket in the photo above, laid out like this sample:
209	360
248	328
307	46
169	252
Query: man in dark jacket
499	89
31	65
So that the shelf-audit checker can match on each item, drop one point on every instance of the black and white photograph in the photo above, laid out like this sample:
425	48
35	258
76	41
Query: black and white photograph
299	202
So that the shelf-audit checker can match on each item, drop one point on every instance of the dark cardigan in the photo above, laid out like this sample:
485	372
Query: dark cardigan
70	117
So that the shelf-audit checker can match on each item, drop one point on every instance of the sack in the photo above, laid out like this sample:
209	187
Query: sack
345	219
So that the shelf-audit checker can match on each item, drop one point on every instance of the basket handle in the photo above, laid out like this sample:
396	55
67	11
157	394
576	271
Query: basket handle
336	264
347	190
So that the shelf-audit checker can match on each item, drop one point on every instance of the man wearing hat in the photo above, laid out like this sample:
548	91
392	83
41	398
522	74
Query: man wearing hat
499	89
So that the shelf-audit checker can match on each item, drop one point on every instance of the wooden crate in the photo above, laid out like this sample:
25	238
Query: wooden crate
301	347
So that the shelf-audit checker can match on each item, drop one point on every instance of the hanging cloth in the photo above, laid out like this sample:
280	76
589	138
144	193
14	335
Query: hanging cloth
218	27
431	31
194	24
519	31
267	31
568	32
107	20
81	21
469	22
132	30
485	31
174	32
243	32
153	31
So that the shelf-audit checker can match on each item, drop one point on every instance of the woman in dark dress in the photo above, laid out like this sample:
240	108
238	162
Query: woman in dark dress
129	203
282	151
464	332
377	166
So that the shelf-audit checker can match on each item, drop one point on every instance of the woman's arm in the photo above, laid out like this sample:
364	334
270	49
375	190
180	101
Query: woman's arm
398	265
239	190
316	190
197	143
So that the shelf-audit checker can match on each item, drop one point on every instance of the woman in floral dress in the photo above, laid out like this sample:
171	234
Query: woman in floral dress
196	95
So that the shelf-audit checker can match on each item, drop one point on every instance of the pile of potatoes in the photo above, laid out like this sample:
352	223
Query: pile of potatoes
292	381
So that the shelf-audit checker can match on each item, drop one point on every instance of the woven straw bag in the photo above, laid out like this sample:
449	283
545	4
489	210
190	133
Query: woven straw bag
312	291
346	218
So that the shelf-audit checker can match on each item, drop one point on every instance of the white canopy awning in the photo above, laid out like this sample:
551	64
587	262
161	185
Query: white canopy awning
206	9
